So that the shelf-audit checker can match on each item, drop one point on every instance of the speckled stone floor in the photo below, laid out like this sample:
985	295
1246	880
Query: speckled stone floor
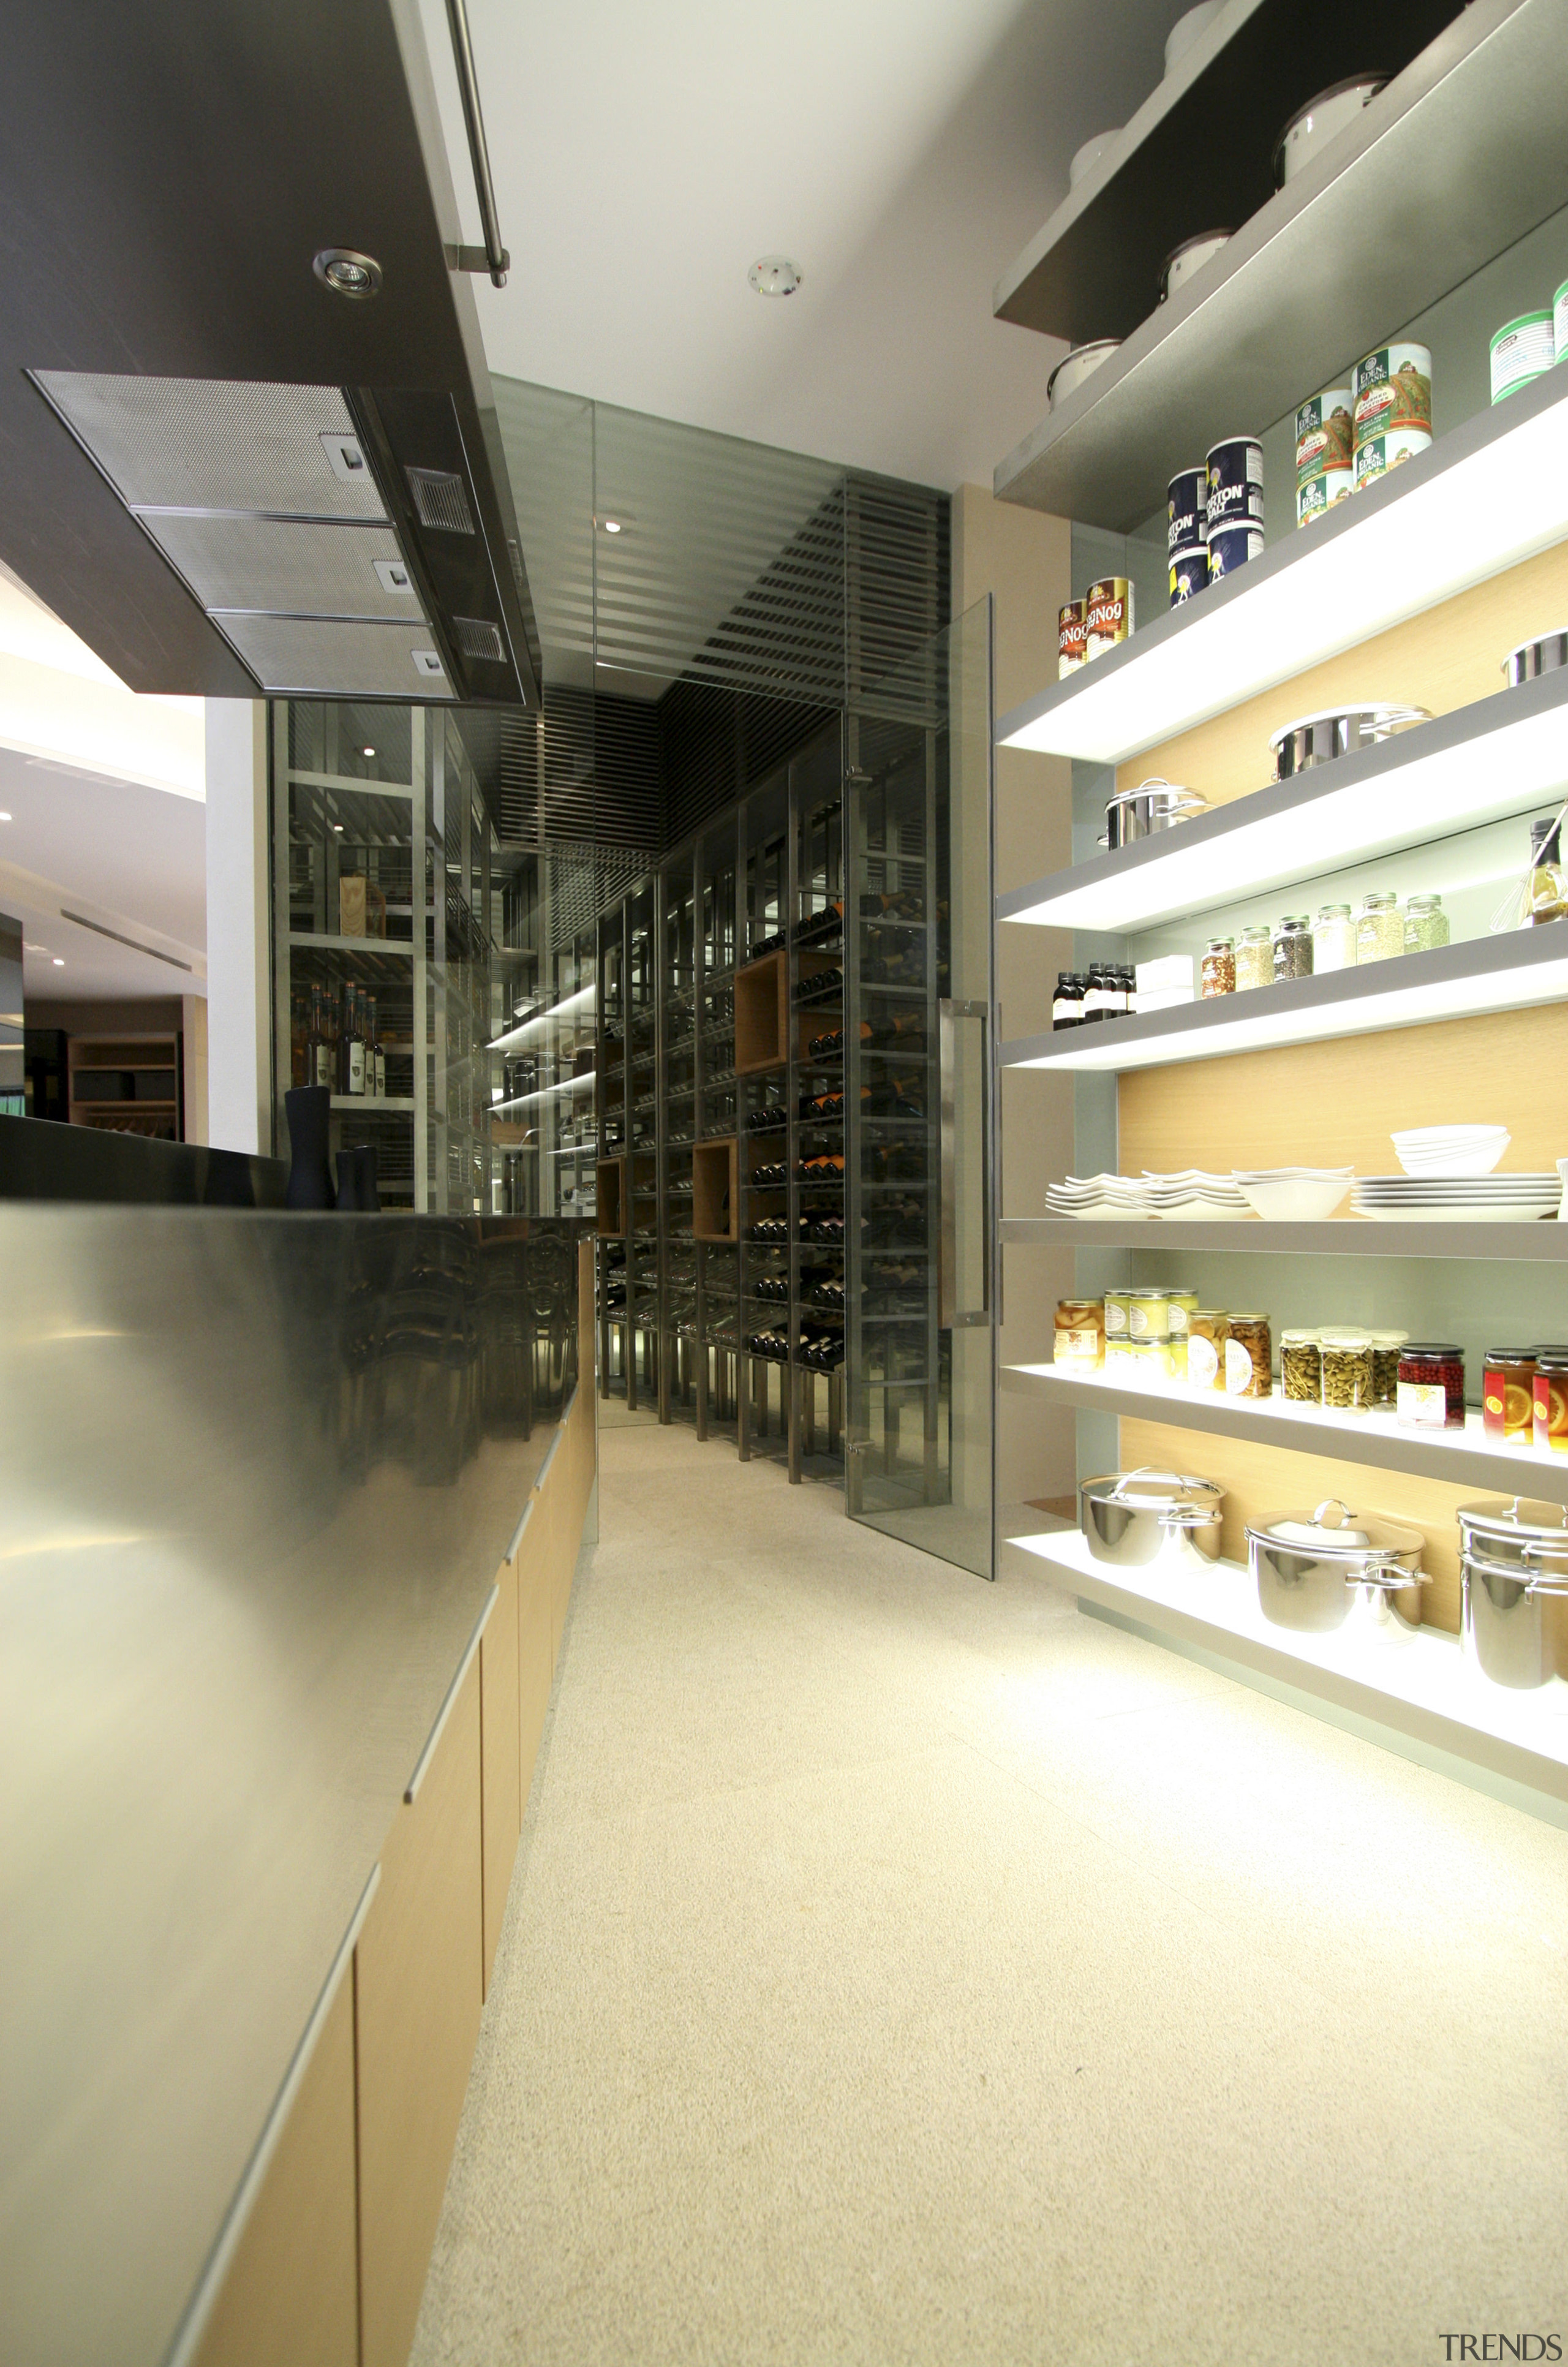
899	1968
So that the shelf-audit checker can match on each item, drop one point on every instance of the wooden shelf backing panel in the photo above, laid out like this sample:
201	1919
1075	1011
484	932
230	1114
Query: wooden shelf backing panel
1261	1481
716	1190
1447	659
1336	1104
761	1013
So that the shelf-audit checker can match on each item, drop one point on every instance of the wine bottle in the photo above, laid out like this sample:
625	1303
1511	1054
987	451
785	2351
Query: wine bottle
379	1055
352	1044
319	1050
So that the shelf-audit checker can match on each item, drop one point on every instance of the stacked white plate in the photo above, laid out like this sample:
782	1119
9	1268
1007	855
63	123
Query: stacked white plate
1294	1196
1451	1149
1458	1200
1194	1192
1098	1196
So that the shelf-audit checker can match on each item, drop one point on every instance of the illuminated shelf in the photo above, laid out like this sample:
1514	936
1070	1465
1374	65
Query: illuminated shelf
1544	1239
1455	159
1506	973
318	941
1468	1457
1484	497
373	1104
1420	1697
1499	756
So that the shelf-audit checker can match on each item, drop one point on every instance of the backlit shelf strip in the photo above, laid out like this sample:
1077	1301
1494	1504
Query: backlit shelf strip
1468	1457
1545	1240
1500	756
1423	1691
1486	496
1504	973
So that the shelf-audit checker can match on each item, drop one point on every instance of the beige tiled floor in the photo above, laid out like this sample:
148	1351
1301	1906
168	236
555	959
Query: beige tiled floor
899	1968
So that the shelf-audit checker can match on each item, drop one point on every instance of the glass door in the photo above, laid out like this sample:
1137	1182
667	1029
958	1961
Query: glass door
919	1044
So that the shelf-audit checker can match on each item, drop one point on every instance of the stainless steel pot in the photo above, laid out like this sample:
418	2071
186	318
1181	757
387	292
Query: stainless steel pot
1154	805
1073	369
1184	262
1315	1571
1320	121
1141	1520
1514	1554
1337	732
1532	659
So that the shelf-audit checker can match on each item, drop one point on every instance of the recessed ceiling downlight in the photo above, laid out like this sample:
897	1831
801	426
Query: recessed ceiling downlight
347	274
774	275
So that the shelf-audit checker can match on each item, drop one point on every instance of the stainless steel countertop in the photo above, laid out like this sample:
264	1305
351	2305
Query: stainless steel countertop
258	1471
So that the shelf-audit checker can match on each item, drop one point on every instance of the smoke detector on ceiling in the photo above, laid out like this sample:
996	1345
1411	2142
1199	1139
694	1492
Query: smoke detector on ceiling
774	275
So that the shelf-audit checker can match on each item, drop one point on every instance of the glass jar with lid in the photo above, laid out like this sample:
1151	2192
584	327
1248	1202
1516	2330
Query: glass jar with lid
1332	939
1182	1305
1293	947
1250	1358
1080	1333
1386	1347
1115	1323
1207	1329
1546	899
1300	1366
1379	929
1508	1393
1426	924
1347	1370
1219	966
1254	959
1148	1315
1431	1386
1550	1412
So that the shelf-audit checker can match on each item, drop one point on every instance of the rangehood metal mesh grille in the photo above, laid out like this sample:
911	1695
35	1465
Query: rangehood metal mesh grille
313	571
440	500
316	657
216	444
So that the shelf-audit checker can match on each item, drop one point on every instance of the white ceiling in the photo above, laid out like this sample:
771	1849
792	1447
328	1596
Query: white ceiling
900	150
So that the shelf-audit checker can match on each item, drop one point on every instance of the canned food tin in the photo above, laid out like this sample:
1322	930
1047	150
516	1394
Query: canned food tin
1187	510
1326	425
1069	638
1108	615
1188	572
1393	389
1235	480
1231	546
1521	350
1381	453
1560	323
1316	496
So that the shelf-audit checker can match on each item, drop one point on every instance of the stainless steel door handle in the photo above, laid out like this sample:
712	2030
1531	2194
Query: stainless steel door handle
950	1316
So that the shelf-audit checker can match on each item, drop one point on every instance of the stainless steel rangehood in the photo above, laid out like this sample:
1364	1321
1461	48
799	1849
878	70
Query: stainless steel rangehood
247	441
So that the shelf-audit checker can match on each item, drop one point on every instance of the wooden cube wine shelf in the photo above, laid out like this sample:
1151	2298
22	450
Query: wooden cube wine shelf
761	1013
611	1197
716	1190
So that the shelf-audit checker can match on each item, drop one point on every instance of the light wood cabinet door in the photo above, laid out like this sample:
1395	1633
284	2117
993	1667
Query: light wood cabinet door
499	1755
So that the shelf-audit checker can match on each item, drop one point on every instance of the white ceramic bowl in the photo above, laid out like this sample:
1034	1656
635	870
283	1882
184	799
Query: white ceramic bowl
1294	1201
1074	367
1451	1149
1186	29
1090	154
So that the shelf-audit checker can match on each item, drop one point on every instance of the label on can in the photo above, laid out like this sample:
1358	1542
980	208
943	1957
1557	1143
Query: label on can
1423	1404
1235	482
1381	453
1319	494
1394	390
1521	350
1070	630
1108	615
1231	546
1326	427
1188	572
1187	510
1560	323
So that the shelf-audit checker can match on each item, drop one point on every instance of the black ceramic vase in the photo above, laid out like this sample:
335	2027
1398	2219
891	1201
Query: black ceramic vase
348	1200
369	1183
309	1175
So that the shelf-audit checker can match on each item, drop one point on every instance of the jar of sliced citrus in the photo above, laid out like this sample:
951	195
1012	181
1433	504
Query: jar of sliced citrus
1507	1397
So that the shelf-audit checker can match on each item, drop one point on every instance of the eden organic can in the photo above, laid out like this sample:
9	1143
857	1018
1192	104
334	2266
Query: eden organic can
1187	510
1394	390
1379	454
1069	638
1188	572
1326	443
1521	350
1108	615
1235	472
1560	323
1316	496
1231	546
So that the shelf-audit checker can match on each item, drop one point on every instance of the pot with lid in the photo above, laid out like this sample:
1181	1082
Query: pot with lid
1154	805
1316	1571
1073	369
1337	732
1513	1556
1140	1520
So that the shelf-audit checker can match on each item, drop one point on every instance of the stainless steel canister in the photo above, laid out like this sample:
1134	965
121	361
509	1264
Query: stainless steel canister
1321	739
1140	1520
1314	1570
1154	805
1514	1555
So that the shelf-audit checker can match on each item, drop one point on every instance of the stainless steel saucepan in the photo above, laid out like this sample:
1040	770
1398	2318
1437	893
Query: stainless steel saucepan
1316	1571
1138	1520
1514	1554
1153	806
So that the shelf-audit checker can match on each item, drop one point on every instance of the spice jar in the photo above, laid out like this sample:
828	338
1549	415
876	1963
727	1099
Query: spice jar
1426	924
1430	1394
1333	939
1207	1329
1219	966
1508	1393
1379	932
1551	1390
1250	1356
1300	1366
1347	1370
1148	1315
1293	947
1080	1333
1254	959
1387	1347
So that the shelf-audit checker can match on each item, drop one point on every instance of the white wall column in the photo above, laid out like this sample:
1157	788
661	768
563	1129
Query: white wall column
239	962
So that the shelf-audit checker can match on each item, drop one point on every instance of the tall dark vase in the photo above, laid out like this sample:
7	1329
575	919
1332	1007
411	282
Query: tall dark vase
370	1182
310	1173
348	1200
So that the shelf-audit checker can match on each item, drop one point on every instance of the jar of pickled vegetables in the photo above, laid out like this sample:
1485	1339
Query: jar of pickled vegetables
1347	1370
1431	1386
1207	1329
1250	1358
1080	1333
1387	1348
1508	1394
1300	1366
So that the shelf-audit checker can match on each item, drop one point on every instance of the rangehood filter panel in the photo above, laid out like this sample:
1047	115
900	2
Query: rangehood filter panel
263	499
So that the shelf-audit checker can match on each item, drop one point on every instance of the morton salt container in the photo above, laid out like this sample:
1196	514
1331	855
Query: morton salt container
1187	510
1235	482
